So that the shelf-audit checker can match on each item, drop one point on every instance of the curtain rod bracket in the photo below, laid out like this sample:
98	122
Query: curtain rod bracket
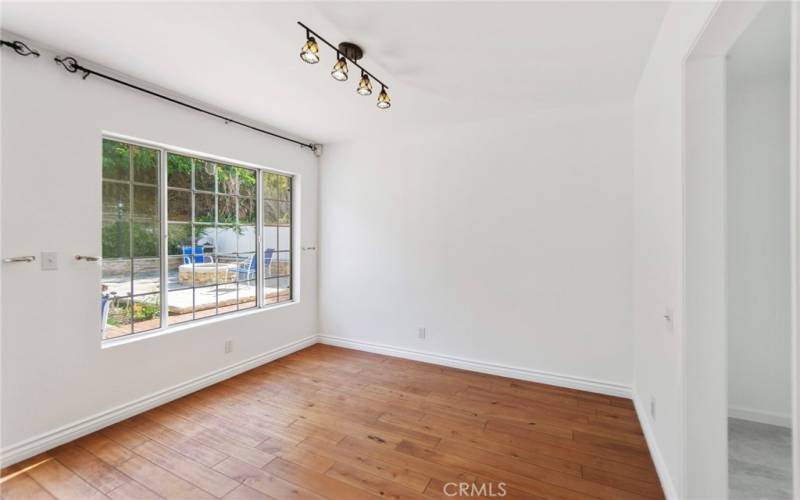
20	48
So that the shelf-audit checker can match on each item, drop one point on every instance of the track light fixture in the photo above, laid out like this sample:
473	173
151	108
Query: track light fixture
364	85
384	102
339	72
309	52
345	52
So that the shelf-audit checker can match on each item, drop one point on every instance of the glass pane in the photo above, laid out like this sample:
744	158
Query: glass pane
246	236
226	209
284	292
247	264
205	301
117	317
179	171
179	304
204	175
284	238
145	165
204	208
205	237
226	239
227	179
276	186
146	276
116	280
146	239
179	205
247	294
146	312
178	236
270	236
247	181
116	239
283	264
270	291
247	210
227	268
116	160
284	212
116	200
174	264
271	215
145	202
270	263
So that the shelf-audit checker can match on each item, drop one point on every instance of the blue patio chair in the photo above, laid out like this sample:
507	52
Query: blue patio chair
248	270
197	253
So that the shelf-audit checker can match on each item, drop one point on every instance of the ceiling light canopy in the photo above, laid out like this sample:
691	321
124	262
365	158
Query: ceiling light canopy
345	52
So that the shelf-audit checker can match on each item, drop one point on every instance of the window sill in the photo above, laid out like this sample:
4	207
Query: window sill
167	330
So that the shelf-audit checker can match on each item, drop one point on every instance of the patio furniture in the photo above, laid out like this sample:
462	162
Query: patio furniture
195	254
248	270
207	273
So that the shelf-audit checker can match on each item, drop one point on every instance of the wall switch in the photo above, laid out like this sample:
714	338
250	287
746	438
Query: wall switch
49	261
228	346
652	407
421	333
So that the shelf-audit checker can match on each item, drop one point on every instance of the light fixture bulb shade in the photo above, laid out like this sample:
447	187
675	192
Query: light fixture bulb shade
310	51
364	85
384	102
340	70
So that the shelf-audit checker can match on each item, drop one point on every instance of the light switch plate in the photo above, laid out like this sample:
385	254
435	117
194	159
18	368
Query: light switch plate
49	261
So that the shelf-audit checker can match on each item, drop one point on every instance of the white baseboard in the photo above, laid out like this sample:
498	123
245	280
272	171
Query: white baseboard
48	440
667	484
763	417
585	384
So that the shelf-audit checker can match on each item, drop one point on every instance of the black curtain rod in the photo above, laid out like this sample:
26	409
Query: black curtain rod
71	65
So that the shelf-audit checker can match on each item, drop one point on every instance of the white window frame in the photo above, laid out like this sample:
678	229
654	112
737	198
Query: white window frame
261	306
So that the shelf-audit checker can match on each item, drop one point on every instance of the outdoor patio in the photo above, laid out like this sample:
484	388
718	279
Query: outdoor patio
218	289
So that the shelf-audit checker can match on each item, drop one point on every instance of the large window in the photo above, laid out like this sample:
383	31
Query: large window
210	262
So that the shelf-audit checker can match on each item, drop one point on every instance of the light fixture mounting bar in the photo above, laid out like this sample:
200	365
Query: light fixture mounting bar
336	49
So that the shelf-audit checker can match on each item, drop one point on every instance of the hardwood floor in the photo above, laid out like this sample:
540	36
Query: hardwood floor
328	422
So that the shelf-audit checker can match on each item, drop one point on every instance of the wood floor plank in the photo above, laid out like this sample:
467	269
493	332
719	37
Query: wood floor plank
90	468
334	423
199	475
133	491
62	482
161	481
22	487
263	481
317	482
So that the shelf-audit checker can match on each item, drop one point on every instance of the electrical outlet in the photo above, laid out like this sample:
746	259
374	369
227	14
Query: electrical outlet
49	261
653	407
228	346
421	333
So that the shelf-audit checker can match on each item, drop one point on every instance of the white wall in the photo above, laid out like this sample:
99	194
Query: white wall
659	237
508	239
54	371
759	332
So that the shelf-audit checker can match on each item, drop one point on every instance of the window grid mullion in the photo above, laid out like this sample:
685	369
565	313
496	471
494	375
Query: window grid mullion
164	251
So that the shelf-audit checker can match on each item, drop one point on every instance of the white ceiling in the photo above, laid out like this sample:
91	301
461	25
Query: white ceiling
445	62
